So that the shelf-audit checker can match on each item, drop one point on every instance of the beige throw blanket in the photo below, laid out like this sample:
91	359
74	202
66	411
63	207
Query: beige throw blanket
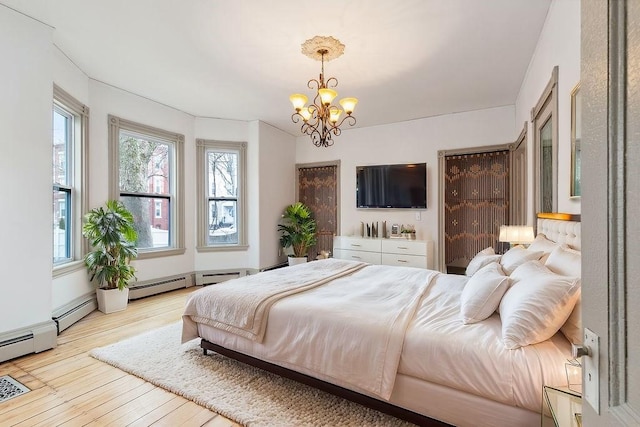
242	306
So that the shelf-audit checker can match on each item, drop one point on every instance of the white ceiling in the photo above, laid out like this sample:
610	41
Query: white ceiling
241	59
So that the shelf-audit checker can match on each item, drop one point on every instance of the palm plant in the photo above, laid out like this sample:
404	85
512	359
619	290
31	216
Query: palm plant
298	229
110	231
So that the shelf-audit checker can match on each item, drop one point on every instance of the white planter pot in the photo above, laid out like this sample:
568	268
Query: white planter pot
295	260
112	300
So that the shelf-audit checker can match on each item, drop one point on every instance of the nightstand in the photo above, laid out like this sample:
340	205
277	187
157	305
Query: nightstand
561	407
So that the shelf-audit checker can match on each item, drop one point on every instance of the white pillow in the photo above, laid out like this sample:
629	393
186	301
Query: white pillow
482	258
536	305
572	328
517	256
568	262
565	261
541	243
482	293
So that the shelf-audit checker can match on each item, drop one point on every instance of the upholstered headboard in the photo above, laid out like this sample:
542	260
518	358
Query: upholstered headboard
561	228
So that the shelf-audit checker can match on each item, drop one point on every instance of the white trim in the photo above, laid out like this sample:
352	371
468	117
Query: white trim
32	339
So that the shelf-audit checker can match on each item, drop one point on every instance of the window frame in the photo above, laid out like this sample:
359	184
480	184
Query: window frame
176	214
545	110
77	184
203	146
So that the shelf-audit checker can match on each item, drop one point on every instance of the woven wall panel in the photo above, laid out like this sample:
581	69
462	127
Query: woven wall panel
476	202
318	188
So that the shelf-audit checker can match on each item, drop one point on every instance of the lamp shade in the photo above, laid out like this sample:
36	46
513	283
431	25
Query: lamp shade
305	113
349	104
327	95
516	234
334	115
298	100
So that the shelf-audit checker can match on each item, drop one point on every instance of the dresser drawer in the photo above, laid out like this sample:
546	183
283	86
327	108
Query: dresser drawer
357	243
404	260
370	257
399	246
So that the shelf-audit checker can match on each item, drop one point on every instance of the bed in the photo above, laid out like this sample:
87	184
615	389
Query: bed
422	345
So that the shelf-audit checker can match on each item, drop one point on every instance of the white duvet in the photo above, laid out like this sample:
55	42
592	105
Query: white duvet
333	333
350	330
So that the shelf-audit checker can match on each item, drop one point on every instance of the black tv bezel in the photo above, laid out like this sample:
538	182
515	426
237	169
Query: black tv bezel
421	207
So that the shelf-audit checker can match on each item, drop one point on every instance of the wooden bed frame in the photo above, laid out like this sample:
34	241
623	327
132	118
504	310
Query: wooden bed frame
370	402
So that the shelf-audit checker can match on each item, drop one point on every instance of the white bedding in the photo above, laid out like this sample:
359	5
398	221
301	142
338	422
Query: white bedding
350	331
440	349
242	306
437	347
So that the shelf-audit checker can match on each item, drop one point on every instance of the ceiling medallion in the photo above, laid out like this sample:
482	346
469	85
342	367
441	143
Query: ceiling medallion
321	119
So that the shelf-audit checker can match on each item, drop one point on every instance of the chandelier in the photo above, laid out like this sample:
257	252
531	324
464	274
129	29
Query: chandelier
321	118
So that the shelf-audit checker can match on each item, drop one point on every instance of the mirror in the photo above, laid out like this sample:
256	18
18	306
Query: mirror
576	125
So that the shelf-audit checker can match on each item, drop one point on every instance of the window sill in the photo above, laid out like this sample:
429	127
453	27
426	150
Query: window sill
149	254
222	248
67	268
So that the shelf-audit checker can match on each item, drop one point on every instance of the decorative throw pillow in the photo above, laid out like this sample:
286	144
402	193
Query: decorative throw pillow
517	256
482	293
482	258
536	305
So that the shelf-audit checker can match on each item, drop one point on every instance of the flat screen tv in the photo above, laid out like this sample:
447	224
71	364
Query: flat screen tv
392	186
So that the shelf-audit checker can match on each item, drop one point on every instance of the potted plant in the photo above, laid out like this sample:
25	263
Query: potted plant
408	232
298	231
110	231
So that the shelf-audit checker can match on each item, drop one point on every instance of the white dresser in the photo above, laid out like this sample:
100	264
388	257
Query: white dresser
409	253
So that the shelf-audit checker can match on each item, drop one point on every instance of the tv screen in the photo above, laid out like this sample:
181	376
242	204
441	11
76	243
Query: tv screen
392	186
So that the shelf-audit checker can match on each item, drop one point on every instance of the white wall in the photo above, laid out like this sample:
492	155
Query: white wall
559	44
406	142
25	171
105	100
277	188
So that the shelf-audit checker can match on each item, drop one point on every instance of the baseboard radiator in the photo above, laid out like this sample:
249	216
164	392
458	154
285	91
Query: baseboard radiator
75	310
211	277
147	288
32	339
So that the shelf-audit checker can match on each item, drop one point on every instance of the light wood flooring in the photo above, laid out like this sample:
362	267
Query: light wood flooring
70	388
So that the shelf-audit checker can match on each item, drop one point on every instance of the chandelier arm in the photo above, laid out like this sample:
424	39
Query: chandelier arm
314	84
295	117
329	81
352	121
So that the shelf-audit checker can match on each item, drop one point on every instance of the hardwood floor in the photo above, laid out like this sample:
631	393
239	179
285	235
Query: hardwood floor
70	388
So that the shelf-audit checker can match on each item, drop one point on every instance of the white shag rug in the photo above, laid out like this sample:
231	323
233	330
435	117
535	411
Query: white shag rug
242	393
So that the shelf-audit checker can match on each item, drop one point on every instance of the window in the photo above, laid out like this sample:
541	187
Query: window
147	178
545	135
221	189
70	119
519	179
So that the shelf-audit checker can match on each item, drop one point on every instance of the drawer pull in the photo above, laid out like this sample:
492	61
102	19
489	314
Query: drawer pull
402	260
402	247
355	257
353	244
